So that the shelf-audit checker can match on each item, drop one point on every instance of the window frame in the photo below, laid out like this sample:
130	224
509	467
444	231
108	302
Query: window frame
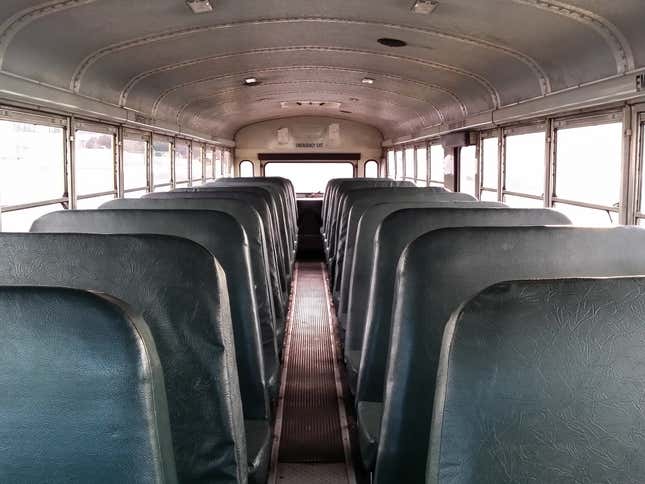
240	168
476	182
176	142
100	128
484	135
593	119
371	160
407	150
517	130
194	145
431	180
400	150
67	200
171	152
639	157
418	147
390	163
135	135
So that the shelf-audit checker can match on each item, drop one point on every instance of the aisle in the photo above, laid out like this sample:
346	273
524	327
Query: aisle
311	435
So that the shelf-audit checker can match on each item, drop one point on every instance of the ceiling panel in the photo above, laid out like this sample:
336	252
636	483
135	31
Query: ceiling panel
157	57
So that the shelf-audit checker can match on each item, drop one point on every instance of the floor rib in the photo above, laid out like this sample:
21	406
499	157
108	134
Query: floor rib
311	431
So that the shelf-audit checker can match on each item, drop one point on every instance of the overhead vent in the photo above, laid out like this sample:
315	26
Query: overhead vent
425	7
200	6
310	104
389	42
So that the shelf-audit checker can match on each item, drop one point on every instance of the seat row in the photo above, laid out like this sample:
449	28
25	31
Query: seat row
196	281
461	376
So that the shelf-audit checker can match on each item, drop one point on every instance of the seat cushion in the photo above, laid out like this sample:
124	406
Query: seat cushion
369	428
258	449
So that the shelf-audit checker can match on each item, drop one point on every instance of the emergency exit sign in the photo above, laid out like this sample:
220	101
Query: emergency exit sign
640	82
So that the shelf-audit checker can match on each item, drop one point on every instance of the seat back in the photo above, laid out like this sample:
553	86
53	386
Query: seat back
280	235
343	186
255	201
275	196
227	241
329	189
359	274
362	210
332	188
541	381
79	375
180	290
265	272
441	270
395	232
284	186
357	202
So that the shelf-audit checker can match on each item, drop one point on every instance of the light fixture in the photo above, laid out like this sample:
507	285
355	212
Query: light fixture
367	80
251	81
200	6
424	7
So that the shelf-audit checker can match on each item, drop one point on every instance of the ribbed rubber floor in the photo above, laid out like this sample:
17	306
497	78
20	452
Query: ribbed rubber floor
311	431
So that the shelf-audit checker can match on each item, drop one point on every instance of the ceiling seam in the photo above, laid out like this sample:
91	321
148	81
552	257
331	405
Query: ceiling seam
199	116
612	35
494	94
88	61
357	118
22	18
310	116
167	92
185	106
382	101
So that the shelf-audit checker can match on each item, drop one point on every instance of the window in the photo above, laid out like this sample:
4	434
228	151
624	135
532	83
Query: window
93	202
218	163
436	165
161	164
399	165
490	169
196	174
246	169
525	168
641	213
208	161
227	166
468	170
95	166
587	216
32	171
523	202
588	167
135	171
391	164
182	151
21	220
309	177
371	169
409	164
422	166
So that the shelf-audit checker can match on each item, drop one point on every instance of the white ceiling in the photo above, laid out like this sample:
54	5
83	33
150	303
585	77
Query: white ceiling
466	58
